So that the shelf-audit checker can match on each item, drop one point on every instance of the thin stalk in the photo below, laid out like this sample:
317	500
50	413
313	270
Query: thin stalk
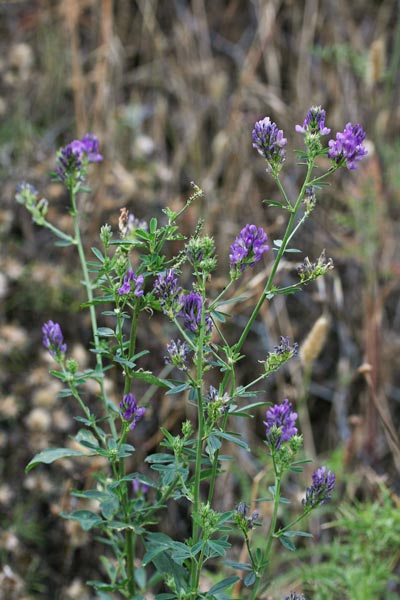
58	232
269	284
265	554
132	345
266	291
200	429
92	311
292	523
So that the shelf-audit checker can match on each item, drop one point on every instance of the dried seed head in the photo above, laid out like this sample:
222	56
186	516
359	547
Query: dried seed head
314	342
375	68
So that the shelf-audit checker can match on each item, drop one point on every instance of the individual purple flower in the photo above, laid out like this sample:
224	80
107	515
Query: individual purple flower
348	147
90	145
191	311
247	249
132	283
130	411
70	160
53	339
280	424
314	123
138	486
323	483
167	290
294	596
73	158
270	143
178	354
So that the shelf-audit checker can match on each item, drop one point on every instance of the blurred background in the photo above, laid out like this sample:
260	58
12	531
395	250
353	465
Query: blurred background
172	89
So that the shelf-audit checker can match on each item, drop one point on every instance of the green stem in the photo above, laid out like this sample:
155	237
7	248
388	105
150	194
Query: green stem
265	554
92	311
132	345
130	565
266	291
200	430
294	522
58	232
269	284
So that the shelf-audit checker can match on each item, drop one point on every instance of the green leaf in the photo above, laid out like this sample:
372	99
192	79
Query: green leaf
160	457
273	203
148	377
153	225
224	584
277	243
292	250
105	332
238	565
63	243
84	435
213	445
249	579
109	506
287	543
86	518
296	533
178	389
98	254
217	547
50	455
232	438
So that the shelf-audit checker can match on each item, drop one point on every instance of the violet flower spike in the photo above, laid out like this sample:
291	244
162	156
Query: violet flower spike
314	122
280	424
247	249
53	339
191	311
178	354
268	140
294	596
167	290
130	411
348	147
323	483
132	282
73	158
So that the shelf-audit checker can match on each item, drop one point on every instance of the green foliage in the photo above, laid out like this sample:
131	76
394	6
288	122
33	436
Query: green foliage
358	564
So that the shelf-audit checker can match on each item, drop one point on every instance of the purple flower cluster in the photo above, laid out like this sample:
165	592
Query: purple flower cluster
191	311
348	147
167	290
74	157
280	424
321	488
178	354
285	348
130	411
247	249
26	189
53	339
314	123
294	596
311	270
270	143
132	282
243	517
